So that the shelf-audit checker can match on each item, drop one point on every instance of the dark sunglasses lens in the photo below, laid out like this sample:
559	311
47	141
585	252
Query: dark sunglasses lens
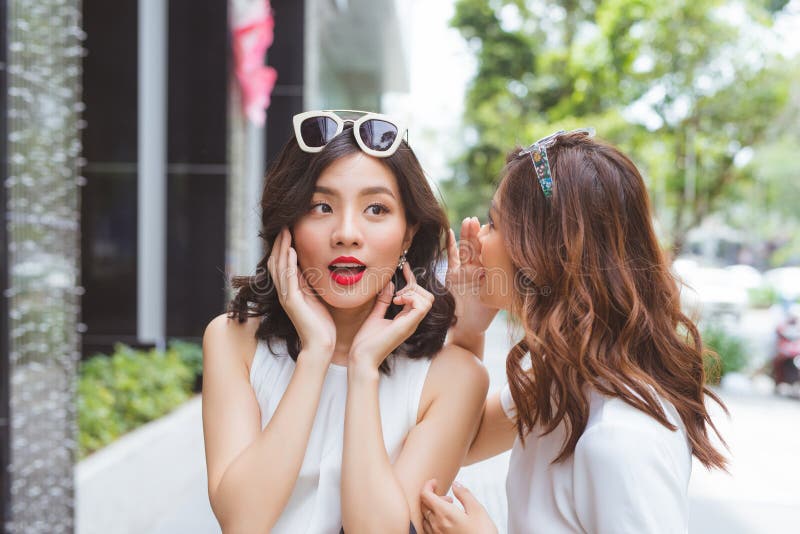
378	135
317	131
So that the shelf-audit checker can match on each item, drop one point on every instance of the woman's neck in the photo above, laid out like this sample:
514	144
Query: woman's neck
348	322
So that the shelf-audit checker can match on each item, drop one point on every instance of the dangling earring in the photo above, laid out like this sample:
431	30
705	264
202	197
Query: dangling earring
402	260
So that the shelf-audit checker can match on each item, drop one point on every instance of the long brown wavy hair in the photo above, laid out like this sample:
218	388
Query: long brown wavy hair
595	295
286	197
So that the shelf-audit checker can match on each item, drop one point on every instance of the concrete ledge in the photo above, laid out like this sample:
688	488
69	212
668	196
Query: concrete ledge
132	484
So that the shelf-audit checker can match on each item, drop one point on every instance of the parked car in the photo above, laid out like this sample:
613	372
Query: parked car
786	282
709	293
745	276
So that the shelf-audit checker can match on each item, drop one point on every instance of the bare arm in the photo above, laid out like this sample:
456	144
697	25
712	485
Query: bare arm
372	498
378	496
251	472
496	432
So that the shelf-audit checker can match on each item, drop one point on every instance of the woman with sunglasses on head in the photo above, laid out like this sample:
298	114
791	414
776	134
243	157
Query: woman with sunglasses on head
604	405
328	398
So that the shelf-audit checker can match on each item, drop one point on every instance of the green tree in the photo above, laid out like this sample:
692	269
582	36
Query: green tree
684	86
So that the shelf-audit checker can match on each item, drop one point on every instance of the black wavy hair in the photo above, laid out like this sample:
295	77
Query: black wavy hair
286	197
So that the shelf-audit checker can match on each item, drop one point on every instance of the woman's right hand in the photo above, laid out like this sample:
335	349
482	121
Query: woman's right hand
308	314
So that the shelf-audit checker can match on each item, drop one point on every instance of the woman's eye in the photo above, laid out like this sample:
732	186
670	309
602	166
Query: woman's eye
491	222
321	207
377	209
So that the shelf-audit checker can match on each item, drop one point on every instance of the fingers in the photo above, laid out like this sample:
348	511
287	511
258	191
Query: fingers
472	235
411	280
463	250
274	265
305	286
453	261
383	301
283	260
426	526
273	256
432	501
466	498
468	245
291	271
430	485
438	513
415	298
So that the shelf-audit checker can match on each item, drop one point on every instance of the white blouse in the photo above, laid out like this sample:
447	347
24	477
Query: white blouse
629	474
315	503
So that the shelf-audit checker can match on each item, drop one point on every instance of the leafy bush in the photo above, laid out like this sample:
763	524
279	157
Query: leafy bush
762	297
191	354
120	392
731	353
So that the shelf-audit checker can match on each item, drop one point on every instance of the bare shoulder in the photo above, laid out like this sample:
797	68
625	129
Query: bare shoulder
455	373
224	335
454	359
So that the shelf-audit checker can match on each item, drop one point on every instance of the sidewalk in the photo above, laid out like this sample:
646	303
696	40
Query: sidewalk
760	495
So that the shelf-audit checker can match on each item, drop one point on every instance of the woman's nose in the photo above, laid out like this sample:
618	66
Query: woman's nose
347	232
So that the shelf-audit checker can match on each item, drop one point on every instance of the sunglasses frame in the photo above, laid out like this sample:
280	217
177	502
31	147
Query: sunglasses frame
298	120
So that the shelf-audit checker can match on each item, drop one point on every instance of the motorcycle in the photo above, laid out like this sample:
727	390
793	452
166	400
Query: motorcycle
786	361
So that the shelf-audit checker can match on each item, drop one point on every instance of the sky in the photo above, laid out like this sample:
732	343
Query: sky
441	67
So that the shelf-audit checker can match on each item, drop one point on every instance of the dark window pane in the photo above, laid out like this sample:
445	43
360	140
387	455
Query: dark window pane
110	80
195	252
108	234
198	90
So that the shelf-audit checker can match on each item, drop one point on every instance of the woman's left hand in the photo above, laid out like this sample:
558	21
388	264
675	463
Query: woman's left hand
379	336
463	280
441	516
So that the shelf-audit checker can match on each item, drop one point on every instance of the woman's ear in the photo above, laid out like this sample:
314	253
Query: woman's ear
411	231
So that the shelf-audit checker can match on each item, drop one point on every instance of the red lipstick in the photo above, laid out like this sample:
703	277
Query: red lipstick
346	270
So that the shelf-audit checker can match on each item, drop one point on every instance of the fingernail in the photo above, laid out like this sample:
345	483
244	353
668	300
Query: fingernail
458	484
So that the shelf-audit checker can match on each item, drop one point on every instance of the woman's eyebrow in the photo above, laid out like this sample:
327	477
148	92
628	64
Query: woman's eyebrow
325	190
376	191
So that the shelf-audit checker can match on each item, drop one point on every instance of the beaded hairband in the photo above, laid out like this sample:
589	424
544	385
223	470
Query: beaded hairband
538	153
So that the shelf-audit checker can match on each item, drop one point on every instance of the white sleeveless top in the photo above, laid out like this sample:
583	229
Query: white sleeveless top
629	474
315	503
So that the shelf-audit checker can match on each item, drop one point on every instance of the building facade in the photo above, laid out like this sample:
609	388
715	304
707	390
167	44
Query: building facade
131	184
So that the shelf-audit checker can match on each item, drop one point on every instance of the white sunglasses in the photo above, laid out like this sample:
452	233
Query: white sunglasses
377	135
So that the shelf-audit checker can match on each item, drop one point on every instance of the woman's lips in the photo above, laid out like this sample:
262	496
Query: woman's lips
346	277
346	270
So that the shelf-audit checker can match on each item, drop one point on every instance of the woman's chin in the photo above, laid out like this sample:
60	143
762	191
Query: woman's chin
346	299
489	300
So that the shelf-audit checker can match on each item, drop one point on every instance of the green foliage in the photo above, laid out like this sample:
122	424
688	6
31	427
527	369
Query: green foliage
731	353
120	392
762	297
191	354
678	85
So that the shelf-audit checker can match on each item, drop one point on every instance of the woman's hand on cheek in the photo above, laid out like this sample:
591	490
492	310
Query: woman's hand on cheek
441	516
379	336
308	314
